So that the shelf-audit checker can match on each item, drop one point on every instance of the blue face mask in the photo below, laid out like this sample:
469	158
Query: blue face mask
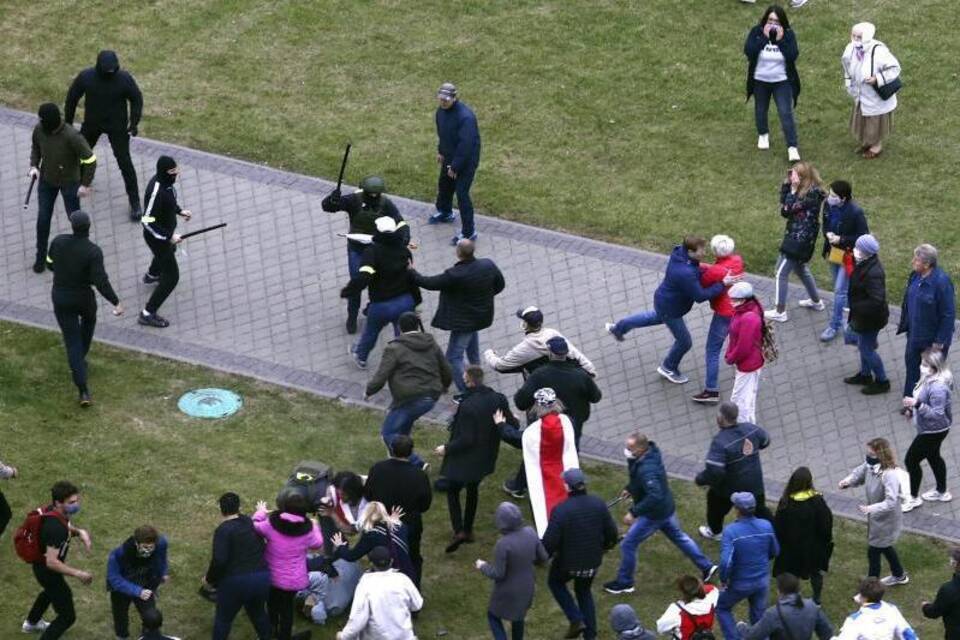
72	509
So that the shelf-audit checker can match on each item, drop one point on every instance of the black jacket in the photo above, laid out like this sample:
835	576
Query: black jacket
802	213
397	483
384	270
804	528
466	291
574	386
755	43
160	208
363	214
471	453
77	264
947	606
580	530
237	550
868	296
847	221
107	95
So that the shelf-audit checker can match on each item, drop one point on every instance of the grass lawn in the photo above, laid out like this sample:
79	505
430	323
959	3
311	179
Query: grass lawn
138	460
618	120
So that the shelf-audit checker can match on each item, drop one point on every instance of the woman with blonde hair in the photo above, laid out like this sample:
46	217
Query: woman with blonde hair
801	198
930	408
871	75
378	528
879	474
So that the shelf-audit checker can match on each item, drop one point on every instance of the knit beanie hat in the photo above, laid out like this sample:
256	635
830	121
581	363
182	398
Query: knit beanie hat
868	245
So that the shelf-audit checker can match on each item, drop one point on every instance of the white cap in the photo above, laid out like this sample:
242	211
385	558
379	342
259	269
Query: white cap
741	290
386	224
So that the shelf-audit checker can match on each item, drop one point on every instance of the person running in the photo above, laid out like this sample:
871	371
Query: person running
931	409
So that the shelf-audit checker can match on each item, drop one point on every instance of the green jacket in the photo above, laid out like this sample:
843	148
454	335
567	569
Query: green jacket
414	366
66	156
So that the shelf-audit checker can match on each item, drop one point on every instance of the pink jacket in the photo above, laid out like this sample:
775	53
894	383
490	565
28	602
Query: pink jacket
744	349
288	537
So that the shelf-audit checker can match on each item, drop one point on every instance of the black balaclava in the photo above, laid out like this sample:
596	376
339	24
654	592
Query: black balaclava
80	221
164	164
50	118
107	63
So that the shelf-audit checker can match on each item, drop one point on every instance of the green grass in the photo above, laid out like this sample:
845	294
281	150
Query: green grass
138	460
619	120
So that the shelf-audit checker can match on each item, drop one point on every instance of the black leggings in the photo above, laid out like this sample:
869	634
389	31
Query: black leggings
926	446
164	265
873	559
462	523
280	610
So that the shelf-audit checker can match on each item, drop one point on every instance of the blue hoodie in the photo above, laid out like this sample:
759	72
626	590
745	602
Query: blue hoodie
681	286
648	486
128	574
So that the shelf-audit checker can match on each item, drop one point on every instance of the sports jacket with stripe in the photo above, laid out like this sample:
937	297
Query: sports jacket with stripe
160	210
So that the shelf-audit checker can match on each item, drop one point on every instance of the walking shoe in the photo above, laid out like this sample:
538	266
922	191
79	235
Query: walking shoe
773	314
458	539
894	581
707	397
39	627
793	154
440	218
860	378
910	504
616	587
135	212
361	364
828	334
796	4
611	328
876	387
457	238
706	532
38	266
763	142
710	572
673	376
508	489
575	630
85	400
152	320
807	303
424	466
351	326
935	496
149	278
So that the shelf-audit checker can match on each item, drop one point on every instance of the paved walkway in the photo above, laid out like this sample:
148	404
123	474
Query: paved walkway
261	299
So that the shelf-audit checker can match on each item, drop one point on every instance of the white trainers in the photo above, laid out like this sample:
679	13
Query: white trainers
763	142
793	155
706	532
935	496
771	314
796	4
39	627
807	303
894	581
910	504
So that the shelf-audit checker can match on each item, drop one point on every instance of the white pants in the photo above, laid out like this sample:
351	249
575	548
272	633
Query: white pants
744	394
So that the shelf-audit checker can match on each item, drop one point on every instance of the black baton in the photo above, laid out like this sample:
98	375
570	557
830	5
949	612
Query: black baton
33	181
204	230
343	166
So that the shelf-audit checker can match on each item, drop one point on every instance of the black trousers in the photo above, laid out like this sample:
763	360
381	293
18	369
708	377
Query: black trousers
719	505
280	610
926	446
414	535
462	520
55	592
120	143
5	513
165	266
76	313
873	561
120	607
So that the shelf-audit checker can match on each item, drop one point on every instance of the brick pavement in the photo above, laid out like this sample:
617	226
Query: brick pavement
261	299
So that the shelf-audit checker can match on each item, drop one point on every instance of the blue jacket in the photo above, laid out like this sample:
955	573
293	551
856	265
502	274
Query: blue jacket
681	286
648	486
733	461
129	575
747	547
928	310
459	137
847	221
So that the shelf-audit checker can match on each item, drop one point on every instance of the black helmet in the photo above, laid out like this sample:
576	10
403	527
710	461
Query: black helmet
373	185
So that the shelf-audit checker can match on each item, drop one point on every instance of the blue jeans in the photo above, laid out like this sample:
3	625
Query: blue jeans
46	198
447	187
583	610
755	592
354	259
784	266
681	336
719	329
499	631
400	420
460	342
379	315
249	591
841	284
642	529
870	362
783	97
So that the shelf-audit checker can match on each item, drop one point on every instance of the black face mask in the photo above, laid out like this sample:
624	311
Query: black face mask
870	460
50	119
166	179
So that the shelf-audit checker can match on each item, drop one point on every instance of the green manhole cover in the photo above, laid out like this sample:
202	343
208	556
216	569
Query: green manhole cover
210	403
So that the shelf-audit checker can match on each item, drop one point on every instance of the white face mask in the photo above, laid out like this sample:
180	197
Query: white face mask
925	370
628	454
858	255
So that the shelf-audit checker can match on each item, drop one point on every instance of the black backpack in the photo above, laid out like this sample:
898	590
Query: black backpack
311	479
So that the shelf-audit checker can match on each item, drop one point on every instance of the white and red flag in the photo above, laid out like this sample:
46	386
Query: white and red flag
548	451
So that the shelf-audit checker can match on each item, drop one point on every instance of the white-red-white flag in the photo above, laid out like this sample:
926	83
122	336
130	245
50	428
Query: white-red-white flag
548	451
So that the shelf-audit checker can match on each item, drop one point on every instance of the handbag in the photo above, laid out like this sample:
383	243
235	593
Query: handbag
835	256
890	89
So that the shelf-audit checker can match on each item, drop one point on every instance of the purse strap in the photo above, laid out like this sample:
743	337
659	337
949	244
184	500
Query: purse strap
783	623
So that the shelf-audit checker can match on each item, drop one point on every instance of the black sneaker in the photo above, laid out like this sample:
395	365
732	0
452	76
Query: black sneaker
152	320
707	397
135	212
351	326
876	388
859	379
38	266
149	278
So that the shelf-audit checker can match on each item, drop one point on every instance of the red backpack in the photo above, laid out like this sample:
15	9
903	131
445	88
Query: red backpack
697	627
26	540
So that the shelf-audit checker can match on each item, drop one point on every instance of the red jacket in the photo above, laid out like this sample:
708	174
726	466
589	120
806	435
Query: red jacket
746	336
713	273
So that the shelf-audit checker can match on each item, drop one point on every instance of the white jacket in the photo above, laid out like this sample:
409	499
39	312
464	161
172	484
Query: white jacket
885	67
669	622
533	347
877	621
381	607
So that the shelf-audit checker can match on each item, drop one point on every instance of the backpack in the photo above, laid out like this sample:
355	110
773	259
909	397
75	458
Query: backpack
768	342
311	480
702	624
26	540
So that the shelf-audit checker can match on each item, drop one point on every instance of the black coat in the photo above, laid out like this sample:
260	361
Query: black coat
107	95
574	386
466	291
397	483
947	606
471	453
868	296
802	213
755	43
580	530
804	528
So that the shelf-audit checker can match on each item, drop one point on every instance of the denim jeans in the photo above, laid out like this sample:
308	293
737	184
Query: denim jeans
447	187
354	260
642	529
460	342
870	362
783	97
719	329
499	631
756	593
784	266
46	198
379	315
841	284
583	610
400	420
681	336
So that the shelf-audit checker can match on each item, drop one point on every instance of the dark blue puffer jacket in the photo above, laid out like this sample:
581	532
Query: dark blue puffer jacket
459	137
648	486
681	286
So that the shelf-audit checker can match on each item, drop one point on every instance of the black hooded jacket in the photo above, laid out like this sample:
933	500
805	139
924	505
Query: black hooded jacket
160	208
107	95
77	263
384	269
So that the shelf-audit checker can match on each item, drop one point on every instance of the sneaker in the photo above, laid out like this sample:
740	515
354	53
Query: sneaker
673	376
616	587
828	334
876	387
706	532
793	155
935	496
85	400
860	378
709	573
910	504
440	218
763	142
351	326
807	303
458	539
707	397
39	627
457	238
425	466
508	489
796	4
772	314
894	581
361	364
149	278
611	328
152	320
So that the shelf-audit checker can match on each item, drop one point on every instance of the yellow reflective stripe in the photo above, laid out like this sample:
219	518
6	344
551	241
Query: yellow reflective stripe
49	260
367	269
147	219
402	223
89	160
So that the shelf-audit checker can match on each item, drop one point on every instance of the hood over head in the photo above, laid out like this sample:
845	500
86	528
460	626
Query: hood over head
623	619
107	63
417	341
50	119
508	517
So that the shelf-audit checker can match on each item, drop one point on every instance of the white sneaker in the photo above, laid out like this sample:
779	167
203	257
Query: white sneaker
708	533
910	504
771	314
807	303
39	627
796	4
749	1
893	581
793	155
763	142
935	496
